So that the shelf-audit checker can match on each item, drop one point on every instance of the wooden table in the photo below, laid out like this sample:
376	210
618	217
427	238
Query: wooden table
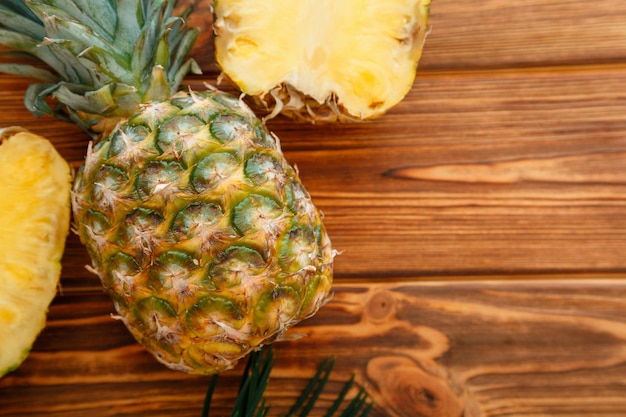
482	223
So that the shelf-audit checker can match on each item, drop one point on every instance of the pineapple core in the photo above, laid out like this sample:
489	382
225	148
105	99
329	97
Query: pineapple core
356	55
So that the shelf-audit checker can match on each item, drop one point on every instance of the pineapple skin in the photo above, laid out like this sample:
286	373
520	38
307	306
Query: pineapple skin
201	232
35	183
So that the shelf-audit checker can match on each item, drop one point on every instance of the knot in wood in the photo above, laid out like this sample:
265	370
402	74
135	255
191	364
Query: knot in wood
412	391
381	306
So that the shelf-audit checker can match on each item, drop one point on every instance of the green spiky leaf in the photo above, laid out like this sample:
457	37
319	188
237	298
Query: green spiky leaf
251	402
138	49
30	71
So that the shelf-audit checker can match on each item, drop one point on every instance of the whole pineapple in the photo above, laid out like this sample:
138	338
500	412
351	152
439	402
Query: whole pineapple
198	227
321	60
35	184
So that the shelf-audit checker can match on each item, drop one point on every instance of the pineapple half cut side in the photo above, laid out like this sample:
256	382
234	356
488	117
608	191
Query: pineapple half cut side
34	223
321	60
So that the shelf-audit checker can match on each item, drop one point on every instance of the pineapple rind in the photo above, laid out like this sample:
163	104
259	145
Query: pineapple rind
144	199
201	231
35	206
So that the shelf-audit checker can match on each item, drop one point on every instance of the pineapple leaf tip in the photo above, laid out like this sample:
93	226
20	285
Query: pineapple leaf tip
251	401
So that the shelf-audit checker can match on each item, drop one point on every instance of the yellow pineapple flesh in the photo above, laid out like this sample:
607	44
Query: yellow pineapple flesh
34	222
322	59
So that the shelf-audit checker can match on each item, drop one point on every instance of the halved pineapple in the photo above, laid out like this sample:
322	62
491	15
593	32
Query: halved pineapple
34	222
322	59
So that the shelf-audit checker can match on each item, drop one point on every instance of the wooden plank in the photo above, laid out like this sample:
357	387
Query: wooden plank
524	33
485	172
503	167
501	34
495	34
474	349
495	172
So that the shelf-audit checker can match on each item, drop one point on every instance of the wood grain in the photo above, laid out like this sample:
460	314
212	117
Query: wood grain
500	34
524	33
515	173
480	172
482	225
482	348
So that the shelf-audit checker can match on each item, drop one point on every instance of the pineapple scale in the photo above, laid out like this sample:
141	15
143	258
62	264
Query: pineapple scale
201	232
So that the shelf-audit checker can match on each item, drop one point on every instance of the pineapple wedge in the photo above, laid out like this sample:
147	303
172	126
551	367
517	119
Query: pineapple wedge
321	60
34	222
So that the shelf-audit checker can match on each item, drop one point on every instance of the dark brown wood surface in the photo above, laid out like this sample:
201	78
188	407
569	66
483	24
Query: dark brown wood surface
482	224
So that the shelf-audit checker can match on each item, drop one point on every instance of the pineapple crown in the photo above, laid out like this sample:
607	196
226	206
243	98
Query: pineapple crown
102	58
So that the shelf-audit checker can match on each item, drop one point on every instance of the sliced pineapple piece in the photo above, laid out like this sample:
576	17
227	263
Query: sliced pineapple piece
322	59
34	222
